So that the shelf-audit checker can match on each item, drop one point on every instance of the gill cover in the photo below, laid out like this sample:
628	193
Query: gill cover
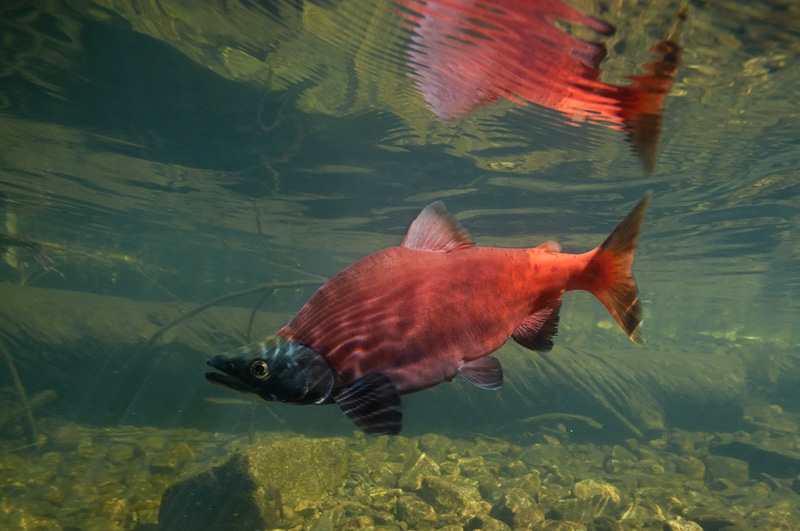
275	369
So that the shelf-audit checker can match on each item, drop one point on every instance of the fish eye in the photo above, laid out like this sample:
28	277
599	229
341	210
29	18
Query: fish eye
259	369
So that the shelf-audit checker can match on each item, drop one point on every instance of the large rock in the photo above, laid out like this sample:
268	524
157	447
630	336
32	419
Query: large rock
445	496
516	509
782	463
415	512
248	490
730	468
589	487
581	510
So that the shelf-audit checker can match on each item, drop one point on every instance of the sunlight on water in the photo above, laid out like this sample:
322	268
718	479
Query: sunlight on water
177	178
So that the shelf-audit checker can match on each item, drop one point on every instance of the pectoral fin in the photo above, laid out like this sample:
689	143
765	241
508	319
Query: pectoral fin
372	403
537	330
485	372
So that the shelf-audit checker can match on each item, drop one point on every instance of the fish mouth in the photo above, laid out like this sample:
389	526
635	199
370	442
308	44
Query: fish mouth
223	379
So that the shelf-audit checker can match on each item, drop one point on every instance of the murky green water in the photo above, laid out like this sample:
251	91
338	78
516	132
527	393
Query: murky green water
159	156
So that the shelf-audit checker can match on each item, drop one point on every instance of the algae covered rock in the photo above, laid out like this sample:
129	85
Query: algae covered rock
730	468
589	487
248	490
444	495
516	509
415	512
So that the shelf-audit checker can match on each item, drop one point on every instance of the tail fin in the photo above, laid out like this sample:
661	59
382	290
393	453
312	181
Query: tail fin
612	277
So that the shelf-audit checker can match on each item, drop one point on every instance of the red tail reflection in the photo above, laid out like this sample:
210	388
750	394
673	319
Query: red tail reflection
470	53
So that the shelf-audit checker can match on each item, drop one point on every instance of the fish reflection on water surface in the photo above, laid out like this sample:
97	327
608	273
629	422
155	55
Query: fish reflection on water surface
465	55
410	317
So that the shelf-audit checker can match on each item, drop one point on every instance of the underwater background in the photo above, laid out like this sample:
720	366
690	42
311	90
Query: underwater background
177	178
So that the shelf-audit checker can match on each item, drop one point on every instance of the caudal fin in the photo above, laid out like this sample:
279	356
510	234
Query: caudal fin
611	275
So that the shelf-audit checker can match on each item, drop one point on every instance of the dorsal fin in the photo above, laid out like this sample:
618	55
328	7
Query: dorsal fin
550	247
436	229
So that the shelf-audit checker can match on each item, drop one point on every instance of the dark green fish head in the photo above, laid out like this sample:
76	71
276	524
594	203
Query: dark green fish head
275	369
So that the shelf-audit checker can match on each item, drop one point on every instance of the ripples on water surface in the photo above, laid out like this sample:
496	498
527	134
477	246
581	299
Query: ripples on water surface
157	155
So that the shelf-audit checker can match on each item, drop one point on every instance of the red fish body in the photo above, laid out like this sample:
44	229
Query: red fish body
410	317
419	315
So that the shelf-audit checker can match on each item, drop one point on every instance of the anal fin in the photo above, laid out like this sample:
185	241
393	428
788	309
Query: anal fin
372	403
537	330
485	372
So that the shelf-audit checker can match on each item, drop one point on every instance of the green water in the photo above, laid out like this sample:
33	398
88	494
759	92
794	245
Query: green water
156	156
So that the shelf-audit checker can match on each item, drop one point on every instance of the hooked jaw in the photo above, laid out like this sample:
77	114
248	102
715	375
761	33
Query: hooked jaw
224	363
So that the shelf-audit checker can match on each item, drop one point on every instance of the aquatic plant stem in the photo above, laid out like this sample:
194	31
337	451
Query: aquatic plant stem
547	417
253	312
191	313
597	395
33	433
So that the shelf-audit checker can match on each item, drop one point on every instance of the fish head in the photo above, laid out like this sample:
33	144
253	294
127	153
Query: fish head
276	369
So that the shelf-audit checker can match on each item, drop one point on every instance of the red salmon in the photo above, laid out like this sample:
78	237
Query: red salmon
410	317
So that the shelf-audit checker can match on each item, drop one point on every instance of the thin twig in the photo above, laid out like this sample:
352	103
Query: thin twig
10	413
33	433
261	301
191	313
546	417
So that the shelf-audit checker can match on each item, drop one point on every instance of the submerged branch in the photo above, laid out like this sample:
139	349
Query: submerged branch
198	309
33	433
546	417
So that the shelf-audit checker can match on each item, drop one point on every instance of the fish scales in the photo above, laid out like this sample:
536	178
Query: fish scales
419	315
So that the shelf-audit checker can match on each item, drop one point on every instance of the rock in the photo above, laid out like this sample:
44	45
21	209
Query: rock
116	510
485	522
68	437
403	449
436	446
446	496
538	454
720	467
682	525
515	469
167	462
715	522
604	523
415	512
516	509
151	443
557	525
581	509
782	464
384	477
618	460
384	500
119	454
650	467
529	483
472	466
721	484
589	487
327	521
691	467
98	524
682	442
411	480
247	491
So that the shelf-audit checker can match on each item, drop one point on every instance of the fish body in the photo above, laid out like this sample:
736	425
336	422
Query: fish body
417	316
410	317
